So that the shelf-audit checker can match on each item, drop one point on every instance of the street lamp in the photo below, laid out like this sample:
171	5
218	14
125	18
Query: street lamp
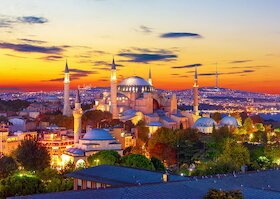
97	162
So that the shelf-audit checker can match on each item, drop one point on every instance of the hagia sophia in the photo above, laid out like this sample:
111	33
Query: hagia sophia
134	99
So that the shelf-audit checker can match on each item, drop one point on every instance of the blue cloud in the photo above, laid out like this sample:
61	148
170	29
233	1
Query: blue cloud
180	35
52	57
32	41
187	66
146	58
10	21
144	29
240	61
33	48
228	73
32	19
75	74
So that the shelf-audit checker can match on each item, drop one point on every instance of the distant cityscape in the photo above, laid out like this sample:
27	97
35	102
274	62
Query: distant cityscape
211	99
114	99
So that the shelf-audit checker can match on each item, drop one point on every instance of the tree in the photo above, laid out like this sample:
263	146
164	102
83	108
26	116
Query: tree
138	161
220	194
248	125
127	150
259	136
164	136
235	153
143	132
20	185
109	157
54	181
260	126
272	152
95	117
7	166
32	156
159	166
219	136
189	150
234	156
217	117
164	152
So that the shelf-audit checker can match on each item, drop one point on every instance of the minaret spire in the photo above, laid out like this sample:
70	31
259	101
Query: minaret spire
217	77
114	108
113	64
66	70
77	114
66	106
195	92
150	77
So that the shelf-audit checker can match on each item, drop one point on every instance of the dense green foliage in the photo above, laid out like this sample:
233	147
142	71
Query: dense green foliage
137	161
17	185
217	194
54	181
159	166
32	156
7	166
109	157
164	136
25	183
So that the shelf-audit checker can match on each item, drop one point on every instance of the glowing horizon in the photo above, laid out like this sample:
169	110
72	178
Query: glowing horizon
168	36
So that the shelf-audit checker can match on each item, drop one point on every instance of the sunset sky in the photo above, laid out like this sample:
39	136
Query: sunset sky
242	36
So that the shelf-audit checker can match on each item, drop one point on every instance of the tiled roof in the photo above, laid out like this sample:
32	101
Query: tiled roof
121	176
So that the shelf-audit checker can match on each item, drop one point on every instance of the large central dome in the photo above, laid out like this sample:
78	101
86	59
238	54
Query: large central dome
134	81
134	84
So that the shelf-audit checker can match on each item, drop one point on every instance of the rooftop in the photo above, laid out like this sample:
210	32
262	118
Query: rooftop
258	185
121	176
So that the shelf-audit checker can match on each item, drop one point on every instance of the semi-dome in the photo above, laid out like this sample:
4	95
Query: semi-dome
229	121
134	84
205	122
98	134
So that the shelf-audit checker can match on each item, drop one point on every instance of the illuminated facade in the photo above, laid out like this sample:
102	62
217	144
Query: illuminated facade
10	142
93	141
56	144
136	99
125	139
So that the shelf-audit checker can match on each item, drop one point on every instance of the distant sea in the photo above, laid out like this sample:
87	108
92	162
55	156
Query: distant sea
275	117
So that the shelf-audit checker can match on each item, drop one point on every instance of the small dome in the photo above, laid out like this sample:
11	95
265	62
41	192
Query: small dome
75	151
98	134
229	121
134	81
205	122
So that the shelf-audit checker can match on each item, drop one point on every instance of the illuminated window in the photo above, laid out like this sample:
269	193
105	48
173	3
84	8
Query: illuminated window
79	184
88	184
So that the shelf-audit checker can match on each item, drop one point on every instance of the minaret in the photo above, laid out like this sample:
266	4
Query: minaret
173	104
114	108
195	93
217	77
77	113
66	105
150	77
